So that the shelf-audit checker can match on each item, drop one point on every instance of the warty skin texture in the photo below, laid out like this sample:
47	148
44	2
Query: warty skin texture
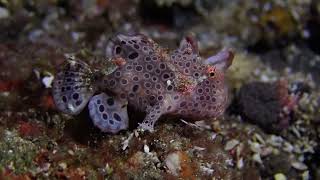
149	78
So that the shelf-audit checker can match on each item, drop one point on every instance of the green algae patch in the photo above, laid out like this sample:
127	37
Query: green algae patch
16	154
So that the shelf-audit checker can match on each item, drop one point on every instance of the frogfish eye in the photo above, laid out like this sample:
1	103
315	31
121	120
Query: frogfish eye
211	74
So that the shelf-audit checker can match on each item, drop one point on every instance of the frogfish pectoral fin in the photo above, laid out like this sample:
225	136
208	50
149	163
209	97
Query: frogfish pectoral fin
109	114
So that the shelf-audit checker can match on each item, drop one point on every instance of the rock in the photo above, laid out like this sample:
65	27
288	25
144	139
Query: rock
258	103
179	164
173	163
262	104
276	164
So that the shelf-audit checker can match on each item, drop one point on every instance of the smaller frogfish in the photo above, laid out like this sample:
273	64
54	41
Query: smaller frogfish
148	78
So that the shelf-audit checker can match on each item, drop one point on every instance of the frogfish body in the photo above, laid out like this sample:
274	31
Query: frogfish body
147	77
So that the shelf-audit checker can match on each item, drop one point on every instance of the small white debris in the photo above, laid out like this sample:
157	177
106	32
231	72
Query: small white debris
173	163
11	166
70	57
146	149
257	158
213	136
37	73
108	169
76	36
239	150
299	165
63	165
275	140
296	131
305	34
308	147
206	169
125	143
198	124
229	162
198	148
305	175
136	133
264	78
5	94
280	176
254	19
267	6
47	81
259	138
44	168
231	144
202	125
288	147
4	13
72	62
255	147
35	35
265	151
70	152
240	163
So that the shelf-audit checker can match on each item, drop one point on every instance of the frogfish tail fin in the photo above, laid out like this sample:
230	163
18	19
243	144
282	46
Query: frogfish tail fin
73	86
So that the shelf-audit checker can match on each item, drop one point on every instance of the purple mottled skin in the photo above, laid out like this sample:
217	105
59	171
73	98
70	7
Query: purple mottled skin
157	82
